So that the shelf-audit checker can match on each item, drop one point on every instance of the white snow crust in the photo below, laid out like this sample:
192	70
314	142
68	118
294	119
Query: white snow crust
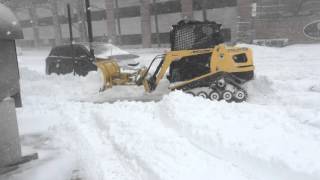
273	136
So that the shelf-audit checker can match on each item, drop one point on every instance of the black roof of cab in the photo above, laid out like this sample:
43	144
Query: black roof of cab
9	24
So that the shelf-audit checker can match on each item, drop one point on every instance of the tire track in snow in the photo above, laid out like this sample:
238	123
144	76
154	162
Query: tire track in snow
162	154
97	160
256	168
134	163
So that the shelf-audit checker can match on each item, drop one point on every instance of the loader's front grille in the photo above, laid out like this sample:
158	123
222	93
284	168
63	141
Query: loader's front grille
195	35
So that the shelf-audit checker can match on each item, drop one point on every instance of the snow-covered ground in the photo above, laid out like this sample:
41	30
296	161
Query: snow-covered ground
273	136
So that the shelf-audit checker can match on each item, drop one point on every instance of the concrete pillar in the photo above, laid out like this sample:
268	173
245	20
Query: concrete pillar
156	22
145	23
204	5
186	9
35	24
56	23
111	24
245	21
10	150
82	21
118	22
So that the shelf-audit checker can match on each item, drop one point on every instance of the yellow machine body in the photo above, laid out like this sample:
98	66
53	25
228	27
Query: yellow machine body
222	60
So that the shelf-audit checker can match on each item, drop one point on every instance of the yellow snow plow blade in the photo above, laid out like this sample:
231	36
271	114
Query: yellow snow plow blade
114	75
111	73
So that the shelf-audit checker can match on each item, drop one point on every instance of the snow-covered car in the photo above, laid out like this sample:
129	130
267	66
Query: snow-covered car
61	60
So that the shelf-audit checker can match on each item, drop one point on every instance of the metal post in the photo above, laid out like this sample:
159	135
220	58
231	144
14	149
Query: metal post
156	22
89	21
70	24
71	35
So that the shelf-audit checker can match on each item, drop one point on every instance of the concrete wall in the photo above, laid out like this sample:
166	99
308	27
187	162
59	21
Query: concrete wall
10	151
226	16
285	19
285	28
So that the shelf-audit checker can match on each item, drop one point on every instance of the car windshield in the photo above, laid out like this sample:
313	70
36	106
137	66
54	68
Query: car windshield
61	51
108	50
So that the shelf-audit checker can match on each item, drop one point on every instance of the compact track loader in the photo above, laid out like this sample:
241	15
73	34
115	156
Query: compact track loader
200	64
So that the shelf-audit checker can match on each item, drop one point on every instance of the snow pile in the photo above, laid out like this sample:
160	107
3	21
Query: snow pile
275	135
66	87
247	128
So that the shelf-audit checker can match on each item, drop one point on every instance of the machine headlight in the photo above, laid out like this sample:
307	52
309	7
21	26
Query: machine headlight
240	58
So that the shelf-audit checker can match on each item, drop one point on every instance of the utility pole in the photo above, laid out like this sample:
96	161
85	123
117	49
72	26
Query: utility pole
71	35
70	25
89	21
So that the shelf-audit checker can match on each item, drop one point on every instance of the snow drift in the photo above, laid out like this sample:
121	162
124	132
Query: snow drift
275	135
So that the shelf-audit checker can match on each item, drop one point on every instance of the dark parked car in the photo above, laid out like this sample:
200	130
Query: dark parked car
61	61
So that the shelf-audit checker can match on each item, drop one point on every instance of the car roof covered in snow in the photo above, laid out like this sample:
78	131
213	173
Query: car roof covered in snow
9	24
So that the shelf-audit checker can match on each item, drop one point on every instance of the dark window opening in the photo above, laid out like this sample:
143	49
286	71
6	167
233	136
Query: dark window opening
190	67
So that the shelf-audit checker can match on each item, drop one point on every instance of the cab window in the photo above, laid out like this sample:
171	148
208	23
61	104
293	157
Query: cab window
190	67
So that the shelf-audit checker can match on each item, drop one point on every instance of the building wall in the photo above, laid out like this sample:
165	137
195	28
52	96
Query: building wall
273	19
169	13
285	28
278	19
